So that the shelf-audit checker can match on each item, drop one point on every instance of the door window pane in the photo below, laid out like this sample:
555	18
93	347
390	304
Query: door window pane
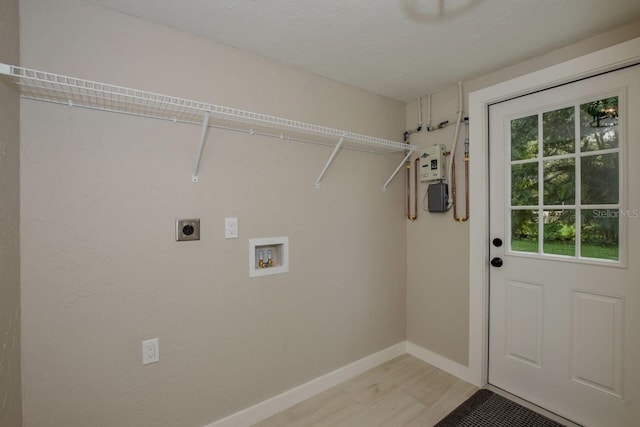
558	132
524	230
524	184
599	183
600	234
524	138
560	232
575	152
599	125
559	182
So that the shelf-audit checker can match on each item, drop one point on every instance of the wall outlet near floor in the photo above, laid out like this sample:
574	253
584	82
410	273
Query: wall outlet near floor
150	351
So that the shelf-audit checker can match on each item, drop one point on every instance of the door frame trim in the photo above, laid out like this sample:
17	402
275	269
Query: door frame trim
602	61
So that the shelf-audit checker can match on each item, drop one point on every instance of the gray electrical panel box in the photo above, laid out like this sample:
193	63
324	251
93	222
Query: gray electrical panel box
437	195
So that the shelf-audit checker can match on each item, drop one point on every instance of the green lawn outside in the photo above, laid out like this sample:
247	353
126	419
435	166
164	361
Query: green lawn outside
561	248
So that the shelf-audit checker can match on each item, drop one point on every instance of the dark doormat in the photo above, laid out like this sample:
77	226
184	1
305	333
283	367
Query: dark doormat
485	408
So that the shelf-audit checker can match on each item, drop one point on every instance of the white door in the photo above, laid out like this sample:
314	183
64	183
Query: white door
564	201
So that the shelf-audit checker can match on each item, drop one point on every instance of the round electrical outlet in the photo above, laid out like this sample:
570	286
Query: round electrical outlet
187	229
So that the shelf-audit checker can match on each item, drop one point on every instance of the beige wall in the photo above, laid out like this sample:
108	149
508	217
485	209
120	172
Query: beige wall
437	247
10	381
100	193
101	271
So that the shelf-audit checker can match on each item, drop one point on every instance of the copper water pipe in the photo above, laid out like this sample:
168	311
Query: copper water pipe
466	188
415	187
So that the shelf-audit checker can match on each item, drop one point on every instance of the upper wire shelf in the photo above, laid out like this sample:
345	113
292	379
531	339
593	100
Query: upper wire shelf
71	91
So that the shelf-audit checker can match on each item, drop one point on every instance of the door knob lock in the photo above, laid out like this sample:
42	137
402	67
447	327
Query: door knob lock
496	262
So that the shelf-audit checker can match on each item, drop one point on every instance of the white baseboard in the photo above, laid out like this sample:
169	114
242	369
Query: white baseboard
441	362
269	407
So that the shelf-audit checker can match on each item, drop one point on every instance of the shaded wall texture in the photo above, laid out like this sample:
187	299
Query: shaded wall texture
10	380
101	271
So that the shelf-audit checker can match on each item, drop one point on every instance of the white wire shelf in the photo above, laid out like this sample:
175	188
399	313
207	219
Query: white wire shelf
75	92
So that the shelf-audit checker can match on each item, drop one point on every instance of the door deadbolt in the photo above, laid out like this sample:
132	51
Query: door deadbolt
496	262
497	242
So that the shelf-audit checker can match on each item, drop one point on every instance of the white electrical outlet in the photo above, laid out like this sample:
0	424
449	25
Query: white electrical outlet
150	351
231	228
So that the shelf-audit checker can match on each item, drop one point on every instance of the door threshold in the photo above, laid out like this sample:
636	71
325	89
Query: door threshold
540	410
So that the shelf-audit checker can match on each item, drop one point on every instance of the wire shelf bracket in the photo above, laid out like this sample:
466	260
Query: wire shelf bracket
75	92
395	172
326	166
203	139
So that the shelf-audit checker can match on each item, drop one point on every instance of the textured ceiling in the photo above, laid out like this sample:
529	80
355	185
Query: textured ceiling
398	48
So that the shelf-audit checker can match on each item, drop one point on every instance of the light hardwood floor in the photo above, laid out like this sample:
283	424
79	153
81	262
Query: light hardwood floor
404	391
